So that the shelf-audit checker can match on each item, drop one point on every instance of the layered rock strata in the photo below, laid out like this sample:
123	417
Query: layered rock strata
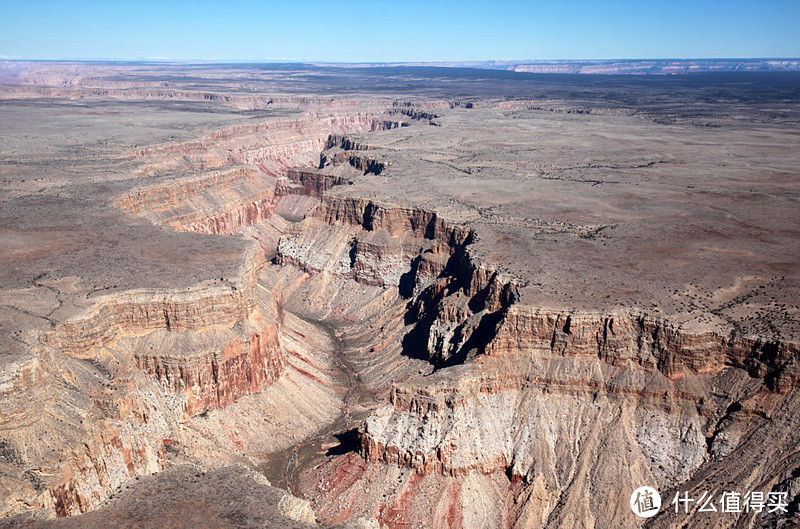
163	362
193	203
668	400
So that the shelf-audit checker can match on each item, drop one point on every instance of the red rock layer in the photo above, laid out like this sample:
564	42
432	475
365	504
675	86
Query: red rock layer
647	341
230	221
143	312
82	337
217	378
395	220
164	197
167	360
219	202
310	183
288	143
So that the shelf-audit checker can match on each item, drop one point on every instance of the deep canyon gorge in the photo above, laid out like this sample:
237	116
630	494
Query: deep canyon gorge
418	302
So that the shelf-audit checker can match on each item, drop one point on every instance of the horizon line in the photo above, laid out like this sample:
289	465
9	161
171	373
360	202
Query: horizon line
268	60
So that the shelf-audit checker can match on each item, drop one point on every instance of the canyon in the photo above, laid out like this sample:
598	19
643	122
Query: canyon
305	297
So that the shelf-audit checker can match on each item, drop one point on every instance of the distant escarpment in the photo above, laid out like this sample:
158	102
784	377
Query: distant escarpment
70	85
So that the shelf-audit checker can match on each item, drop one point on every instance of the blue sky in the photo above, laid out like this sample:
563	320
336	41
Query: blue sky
393	31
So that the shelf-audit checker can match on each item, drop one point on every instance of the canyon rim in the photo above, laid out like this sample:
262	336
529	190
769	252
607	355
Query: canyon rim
305	295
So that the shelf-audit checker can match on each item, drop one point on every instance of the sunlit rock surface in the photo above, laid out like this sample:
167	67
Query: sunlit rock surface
495	303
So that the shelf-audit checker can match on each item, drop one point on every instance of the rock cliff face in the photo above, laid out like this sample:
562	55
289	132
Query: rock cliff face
652	343
115	317
220	374
531	408
546	405
309	183
217	201
241	170
271	144
132	367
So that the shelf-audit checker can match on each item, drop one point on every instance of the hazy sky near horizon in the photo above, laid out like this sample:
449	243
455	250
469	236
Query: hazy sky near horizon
396	31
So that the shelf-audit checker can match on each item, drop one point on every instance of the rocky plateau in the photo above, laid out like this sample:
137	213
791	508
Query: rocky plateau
299	297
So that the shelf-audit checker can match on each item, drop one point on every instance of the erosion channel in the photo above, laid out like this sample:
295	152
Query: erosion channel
282	468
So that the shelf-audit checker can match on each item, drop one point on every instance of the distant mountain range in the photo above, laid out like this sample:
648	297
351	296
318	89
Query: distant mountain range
620	66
